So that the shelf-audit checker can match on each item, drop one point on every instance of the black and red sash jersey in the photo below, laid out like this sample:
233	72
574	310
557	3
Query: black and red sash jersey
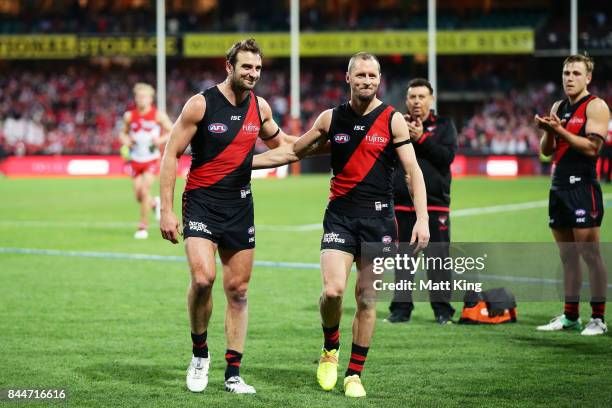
362	161
570	165
223	145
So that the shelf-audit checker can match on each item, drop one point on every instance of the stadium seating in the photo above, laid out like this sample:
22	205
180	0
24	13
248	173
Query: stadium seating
79	110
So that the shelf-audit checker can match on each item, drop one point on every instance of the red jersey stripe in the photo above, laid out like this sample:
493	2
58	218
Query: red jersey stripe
362	159
572	126
231	157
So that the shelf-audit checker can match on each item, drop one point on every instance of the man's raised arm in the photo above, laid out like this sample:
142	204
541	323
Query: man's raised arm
309	143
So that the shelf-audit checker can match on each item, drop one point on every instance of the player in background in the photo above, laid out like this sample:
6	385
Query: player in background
435	141
222	125
605	167
365	135
574	132
145	130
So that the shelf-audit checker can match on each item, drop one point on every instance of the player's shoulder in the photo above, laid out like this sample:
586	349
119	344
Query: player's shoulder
597	106
264	106
397	116
323	121
195	108
556	105
598	103
326	115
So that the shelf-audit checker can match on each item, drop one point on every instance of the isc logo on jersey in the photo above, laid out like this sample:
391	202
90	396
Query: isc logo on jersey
217	128
341	138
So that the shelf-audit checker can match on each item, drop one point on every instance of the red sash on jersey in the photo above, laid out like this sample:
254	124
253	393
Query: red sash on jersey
363	158
232	156
574	125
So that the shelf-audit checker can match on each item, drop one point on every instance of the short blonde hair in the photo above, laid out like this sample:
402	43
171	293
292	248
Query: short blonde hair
143	87
362	55
588	61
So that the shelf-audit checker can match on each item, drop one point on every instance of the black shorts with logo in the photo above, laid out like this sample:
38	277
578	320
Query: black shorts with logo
228	223
348	233
579	206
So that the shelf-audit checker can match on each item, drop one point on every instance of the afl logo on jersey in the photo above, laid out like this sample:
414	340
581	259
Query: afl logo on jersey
341	138
217	128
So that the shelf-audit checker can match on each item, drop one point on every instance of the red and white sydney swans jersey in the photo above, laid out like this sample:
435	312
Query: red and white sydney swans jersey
144	129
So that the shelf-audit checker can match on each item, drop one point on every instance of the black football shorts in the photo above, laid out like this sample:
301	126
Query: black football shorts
347	234
230	224
577	207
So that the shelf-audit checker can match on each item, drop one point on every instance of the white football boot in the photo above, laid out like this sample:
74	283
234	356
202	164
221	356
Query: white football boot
237	385
595	327
141	234
197	374
561	323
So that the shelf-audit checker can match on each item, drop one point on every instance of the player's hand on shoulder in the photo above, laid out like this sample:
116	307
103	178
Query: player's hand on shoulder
169	227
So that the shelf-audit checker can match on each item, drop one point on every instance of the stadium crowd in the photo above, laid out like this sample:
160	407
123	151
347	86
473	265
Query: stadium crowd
504	125
79	110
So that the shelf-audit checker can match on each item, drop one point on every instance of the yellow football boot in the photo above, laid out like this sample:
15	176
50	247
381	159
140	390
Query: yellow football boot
327	372
353	387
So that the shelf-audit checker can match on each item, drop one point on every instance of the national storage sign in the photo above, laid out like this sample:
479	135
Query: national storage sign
68	46
322	44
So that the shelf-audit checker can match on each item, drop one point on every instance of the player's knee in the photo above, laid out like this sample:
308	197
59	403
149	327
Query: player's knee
568	253
332	292
365	302
590	253
236	292
202	282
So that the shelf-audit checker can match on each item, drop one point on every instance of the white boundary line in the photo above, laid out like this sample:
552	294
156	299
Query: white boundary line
139	257
464	212
268	264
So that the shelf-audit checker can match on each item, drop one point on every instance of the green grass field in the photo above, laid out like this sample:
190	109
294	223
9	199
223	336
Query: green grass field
114	332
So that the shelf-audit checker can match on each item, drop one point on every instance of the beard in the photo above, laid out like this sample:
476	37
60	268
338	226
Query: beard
366	98
241	84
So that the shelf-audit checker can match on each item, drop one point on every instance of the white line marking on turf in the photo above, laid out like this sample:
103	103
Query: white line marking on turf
130	225
68	224
139	257
269	264
464	212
